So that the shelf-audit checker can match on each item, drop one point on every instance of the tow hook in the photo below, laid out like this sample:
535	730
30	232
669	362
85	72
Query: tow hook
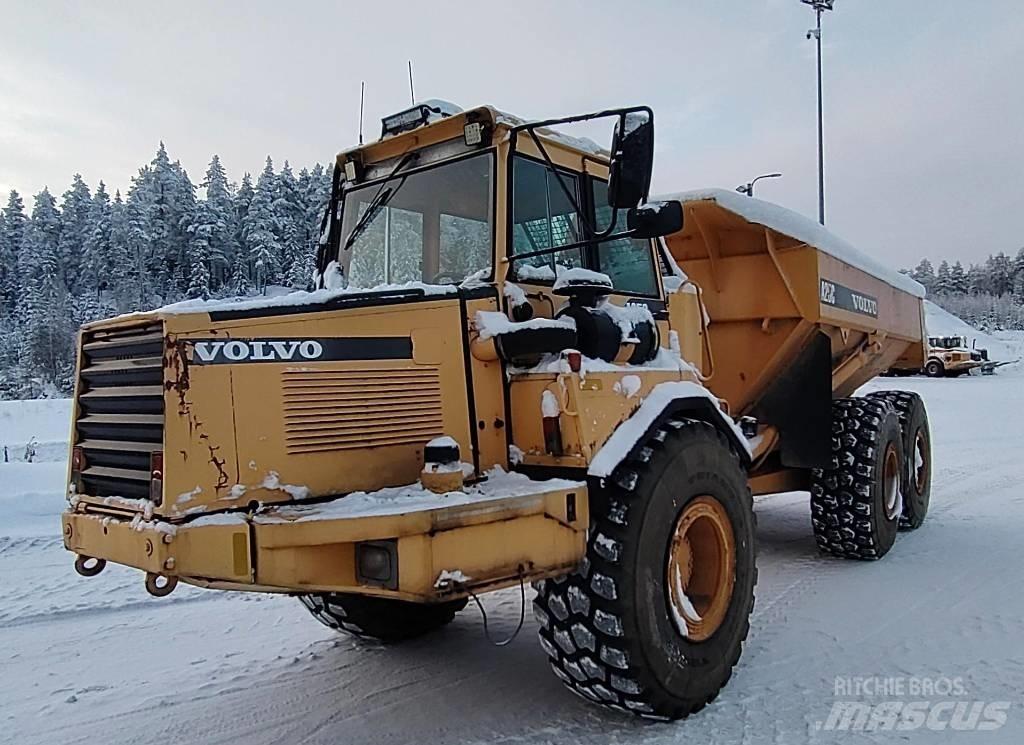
87	569
160	585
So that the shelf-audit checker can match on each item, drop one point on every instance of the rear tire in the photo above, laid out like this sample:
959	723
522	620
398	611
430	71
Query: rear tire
934	369
917	452
380	618
612	630
855	503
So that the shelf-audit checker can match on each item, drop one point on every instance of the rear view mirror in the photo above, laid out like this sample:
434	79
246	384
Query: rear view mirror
655	219
629	173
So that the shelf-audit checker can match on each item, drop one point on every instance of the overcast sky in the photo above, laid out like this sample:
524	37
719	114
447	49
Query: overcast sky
924	100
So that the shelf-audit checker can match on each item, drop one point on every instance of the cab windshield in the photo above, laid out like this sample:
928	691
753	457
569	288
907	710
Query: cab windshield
430	225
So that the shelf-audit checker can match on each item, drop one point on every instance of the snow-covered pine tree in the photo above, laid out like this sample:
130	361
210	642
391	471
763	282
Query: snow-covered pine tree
925	274
1000	274
315	193
943	279
7	266
290	219
958	279
203	229
977	280
76	216
95	262
14	226
48	329
222	222
121	278
261	234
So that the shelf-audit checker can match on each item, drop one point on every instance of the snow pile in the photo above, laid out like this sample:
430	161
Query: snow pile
549	406
398	500
580	276
628	434
627	316
802	228
515	294
629	386
665	359
526	272
489	323
447	578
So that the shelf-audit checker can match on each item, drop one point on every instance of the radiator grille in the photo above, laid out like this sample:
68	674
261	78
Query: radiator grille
121	409
354	409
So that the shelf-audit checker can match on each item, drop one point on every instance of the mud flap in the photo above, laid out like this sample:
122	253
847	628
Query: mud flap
799	403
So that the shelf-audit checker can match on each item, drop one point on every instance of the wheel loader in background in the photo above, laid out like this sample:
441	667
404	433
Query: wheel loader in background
550	380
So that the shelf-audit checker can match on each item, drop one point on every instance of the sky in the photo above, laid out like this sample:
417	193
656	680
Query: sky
923	99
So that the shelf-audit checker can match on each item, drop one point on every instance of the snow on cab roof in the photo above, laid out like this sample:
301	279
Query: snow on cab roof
799	227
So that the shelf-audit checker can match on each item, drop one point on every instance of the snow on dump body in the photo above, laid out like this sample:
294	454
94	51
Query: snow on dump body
799	227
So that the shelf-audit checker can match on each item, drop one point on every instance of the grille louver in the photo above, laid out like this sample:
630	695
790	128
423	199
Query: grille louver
353	409
121	409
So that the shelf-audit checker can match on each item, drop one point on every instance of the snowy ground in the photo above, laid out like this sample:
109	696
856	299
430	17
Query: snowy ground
89	661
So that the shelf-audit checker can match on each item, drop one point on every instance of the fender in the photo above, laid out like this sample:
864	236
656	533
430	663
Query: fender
663	402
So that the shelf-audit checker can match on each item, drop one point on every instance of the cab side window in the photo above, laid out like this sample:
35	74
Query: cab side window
543	217
628	262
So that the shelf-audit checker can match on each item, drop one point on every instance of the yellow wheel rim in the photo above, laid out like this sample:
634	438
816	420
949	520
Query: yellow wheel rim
701	568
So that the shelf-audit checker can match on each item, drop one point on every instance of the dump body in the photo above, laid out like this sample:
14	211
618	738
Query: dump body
796	316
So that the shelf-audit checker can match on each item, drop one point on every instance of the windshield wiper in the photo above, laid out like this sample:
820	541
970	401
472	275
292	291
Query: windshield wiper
379	201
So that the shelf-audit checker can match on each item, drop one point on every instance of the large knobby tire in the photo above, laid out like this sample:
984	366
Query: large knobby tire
934	369
612	628
917	454
855	503
380	618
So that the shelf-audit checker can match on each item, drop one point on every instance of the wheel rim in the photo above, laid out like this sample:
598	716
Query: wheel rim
701	568
891	482
920	462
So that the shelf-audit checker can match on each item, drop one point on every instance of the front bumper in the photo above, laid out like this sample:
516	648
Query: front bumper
490	543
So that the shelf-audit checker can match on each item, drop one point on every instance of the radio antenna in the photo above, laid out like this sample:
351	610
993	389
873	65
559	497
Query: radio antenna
412	94
362	95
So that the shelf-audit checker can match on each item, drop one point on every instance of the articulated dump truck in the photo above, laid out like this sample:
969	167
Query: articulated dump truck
514	368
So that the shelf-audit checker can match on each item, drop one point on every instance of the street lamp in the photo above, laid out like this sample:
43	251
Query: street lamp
748	188
819	7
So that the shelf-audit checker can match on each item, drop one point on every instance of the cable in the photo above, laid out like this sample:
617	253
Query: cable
522	613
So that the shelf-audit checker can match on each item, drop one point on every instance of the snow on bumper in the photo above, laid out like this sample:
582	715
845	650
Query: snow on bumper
493	535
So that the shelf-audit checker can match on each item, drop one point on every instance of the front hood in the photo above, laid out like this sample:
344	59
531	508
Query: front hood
282	398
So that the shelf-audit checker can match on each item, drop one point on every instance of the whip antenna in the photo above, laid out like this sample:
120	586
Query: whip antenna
362	93
412	94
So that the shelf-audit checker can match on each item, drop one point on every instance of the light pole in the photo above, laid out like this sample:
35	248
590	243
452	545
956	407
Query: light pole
748	188
819	6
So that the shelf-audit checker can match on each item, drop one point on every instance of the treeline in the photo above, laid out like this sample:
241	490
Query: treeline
989	295
92	254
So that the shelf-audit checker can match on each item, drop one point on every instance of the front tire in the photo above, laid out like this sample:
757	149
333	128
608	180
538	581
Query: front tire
654	619
380	618
934	369
856	502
